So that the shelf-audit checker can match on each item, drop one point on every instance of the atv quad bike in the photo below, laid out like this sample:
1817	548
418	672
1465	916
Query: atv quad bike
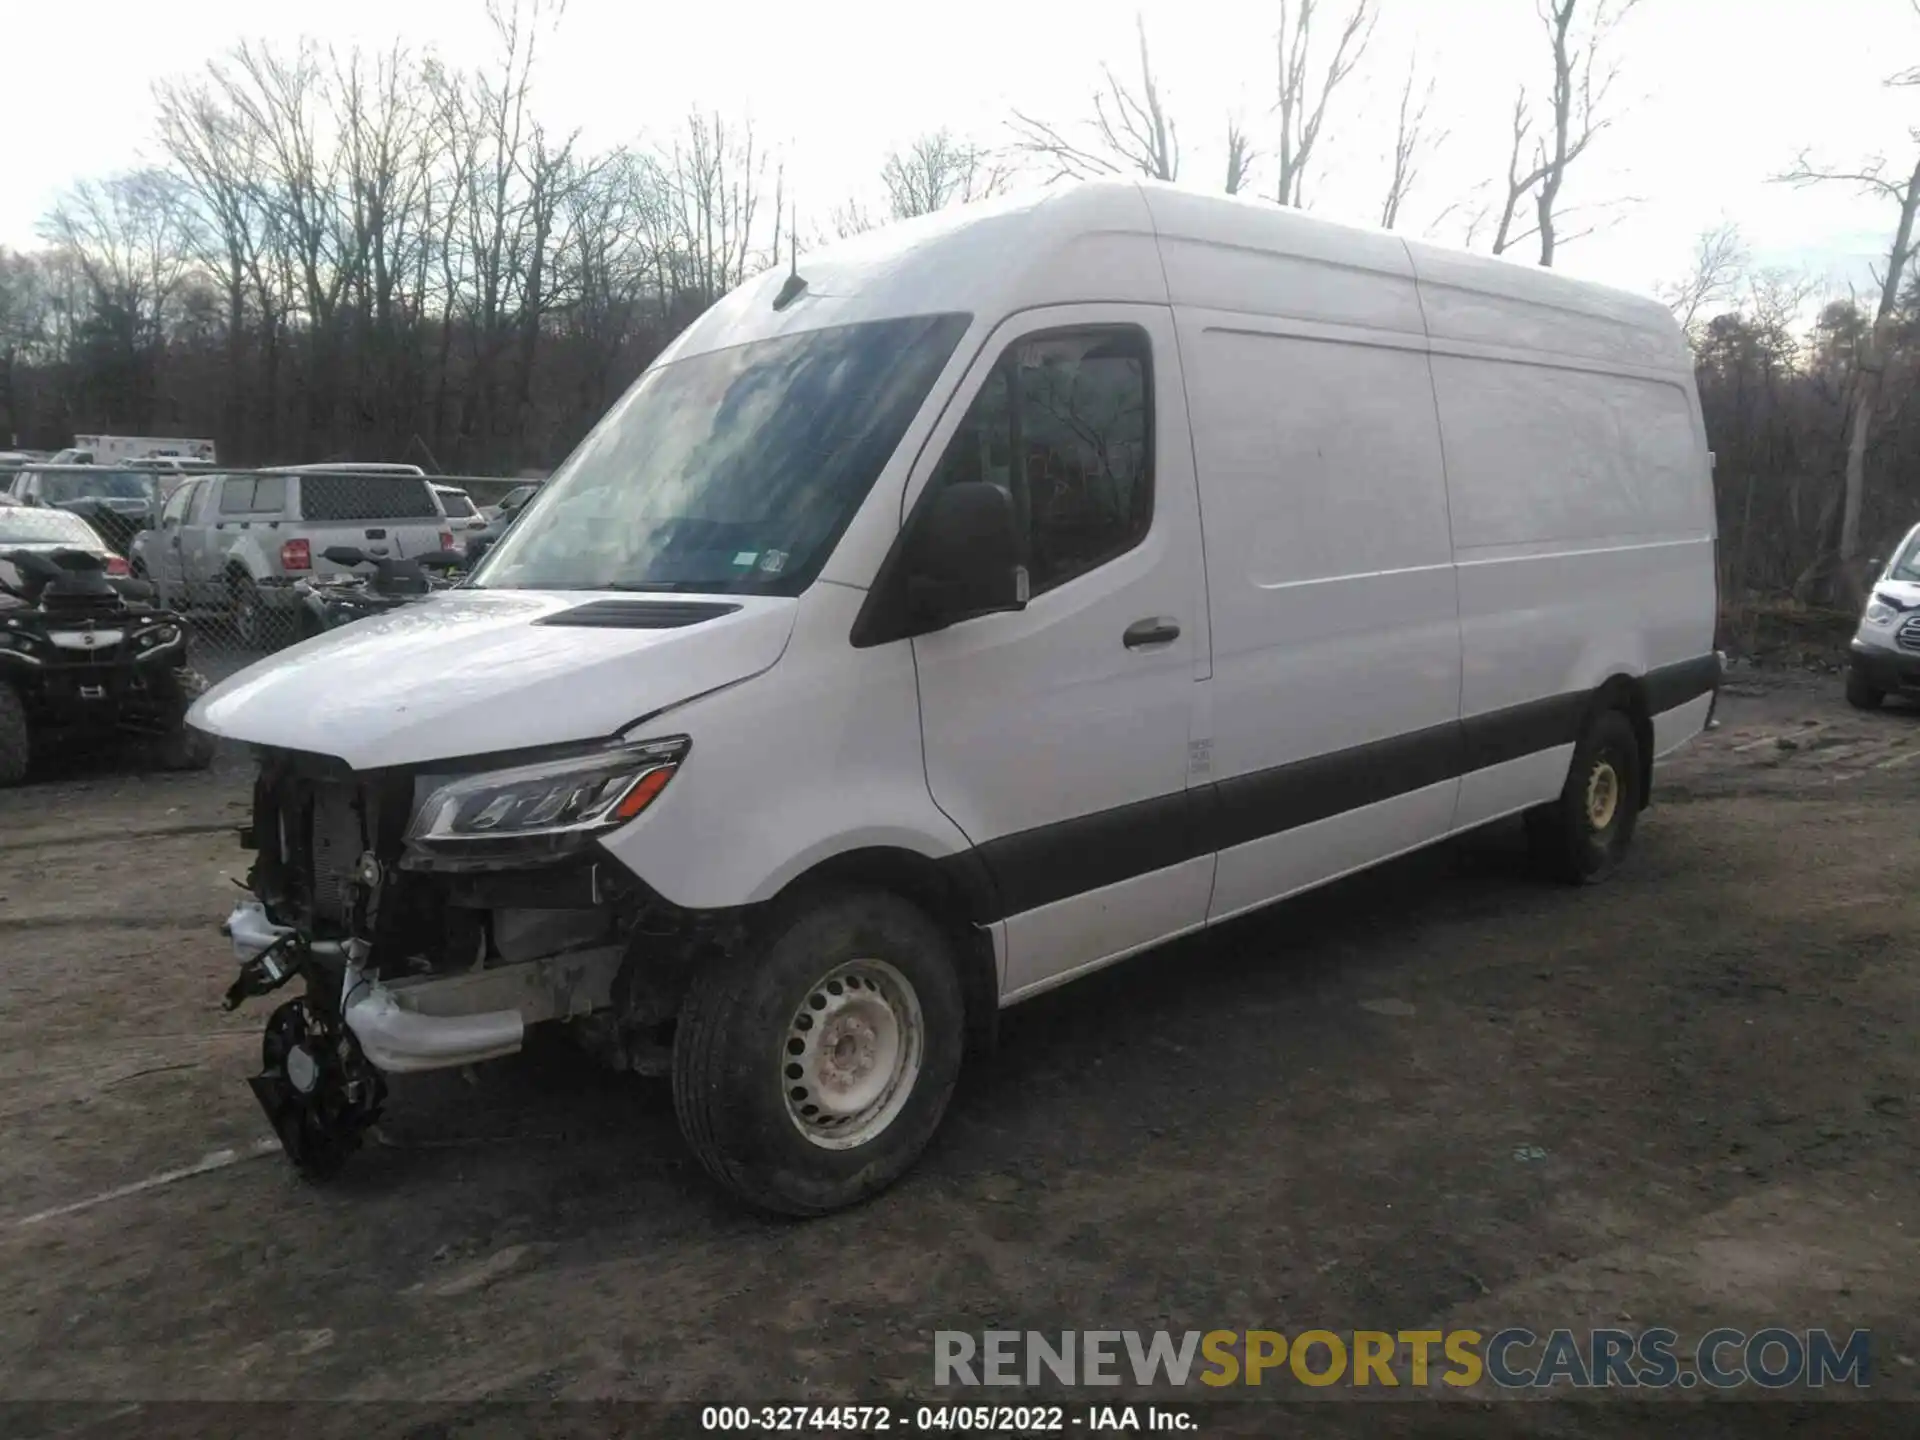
327	603
87	661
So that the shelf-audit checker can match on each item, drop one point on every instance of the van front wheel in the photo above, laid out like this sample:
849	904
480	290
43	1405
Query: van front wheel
811	1068
1584	834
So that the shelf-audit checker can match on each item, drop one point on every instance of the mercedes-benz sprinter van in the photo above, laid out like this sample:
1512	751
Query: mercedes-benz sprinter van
993	597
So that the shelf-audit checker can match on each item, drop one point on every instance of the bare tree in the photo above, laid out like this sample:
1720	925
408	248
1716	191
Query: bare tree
1900	189
1241	156
219	155
1305	89
1719	266
1413	143
1131	131
851	219
1539	158
938	170
135	238
713	177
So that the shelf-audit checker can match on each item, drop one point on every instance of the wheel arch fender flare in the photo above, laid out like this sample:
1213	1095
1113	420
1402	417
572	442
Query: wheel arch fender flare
955	892
1627	693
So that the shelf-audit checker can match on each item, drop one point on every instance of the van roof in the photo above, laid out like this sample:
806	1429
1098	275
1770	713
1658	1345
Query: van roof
1145	242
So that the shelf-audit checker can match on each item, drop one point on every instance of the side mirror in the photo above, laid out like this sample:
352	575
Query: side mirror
965	557
344	555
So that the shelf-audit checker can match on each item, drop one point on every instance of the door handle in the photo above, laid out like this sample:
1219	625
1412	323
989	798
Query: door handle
1155	630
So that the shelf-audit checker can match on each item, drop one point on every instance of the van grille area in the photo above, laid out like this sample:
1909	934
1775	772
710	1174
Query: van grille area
335	848
1907	637
311	820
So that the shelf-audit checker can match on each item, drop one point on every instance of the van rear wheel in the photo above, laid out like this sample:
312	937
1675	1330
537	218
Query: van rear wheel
1583	835
810	1068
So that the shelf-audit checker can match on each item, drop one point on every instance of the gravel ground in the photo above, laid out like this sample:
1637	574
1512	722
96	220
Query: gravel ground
1440	1095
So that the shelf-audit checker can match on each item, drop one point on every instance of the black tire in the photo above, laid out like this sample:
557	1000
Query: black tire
1581	837
256	624
183	747
16	749
733	1064
1860	693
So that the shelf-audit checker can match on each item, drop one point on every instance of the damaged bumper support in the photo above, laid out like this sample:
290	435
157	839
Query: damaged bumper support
439	1021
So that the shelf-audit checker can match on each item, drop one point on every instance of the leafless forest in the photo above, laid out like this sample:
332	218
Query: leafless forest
373	255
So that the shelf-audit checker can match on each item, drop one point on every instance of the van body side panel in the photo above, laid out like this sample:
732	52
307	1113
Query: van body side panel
814	757
1068	938
1584	544
1674	728
1312	854
1336	647
1582	507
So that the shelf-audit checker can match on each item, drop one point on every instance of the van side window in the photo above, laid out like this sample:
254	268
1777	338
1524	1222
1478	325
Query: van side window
1064	424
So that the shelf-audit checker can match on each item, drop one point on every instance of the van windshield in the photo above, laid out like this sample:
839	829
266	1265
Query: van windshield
731	471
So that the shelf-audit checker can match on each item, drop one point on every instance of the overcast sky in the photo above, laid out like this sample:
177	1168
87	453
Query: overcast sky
1714	96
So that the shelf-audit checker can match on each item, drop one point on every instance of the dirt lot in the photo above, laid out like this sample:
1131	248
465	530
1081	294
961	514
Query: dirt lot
1443	1094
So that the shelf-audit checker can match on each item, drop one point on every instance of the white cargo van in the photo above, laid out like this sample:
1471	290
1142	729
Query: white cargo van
997	596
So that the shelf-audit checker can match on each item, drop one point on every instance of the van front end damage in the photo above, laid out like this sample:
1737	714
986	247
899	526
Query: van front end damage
434	914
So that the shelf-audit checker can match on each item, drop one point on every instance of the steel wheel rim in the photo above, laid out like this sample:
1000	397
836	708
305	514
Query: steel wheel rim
1603	795
851	1054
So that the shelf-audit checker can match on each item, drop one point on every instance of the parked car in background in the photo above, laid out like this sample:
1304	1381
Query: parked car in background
463	516
513	500
1885	653
40	528
118	502
500	521
238	542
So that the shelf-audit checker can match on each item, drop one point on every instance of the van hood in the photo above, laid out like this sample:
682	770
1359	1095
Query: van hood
473	672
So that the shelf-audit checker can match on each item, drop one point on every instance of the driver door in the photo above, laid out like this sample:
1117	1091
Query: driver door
1057	737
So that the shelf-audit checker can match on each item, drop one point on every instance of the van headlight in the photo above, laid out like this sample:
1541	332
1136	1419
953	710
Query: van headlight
540	811
1880	613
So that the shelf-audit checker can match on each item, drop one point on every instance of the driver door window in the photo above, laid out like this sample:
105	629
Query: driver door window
1064	425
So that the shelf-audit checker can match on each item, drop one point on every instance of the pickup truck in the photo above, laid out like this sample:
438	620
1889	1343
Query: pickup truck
238	543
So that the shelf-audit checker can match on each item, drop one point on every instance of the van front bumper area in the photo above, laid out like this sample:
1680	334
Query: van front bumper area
1893	671
435	1022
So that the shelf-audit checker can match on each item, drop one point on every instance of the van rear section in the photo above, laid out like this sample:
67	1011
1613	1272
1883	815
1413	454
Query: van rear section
392	516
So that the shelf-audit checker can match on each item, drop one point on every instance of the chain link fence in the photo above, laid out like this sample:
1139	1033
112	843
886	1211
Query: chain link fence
254	560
